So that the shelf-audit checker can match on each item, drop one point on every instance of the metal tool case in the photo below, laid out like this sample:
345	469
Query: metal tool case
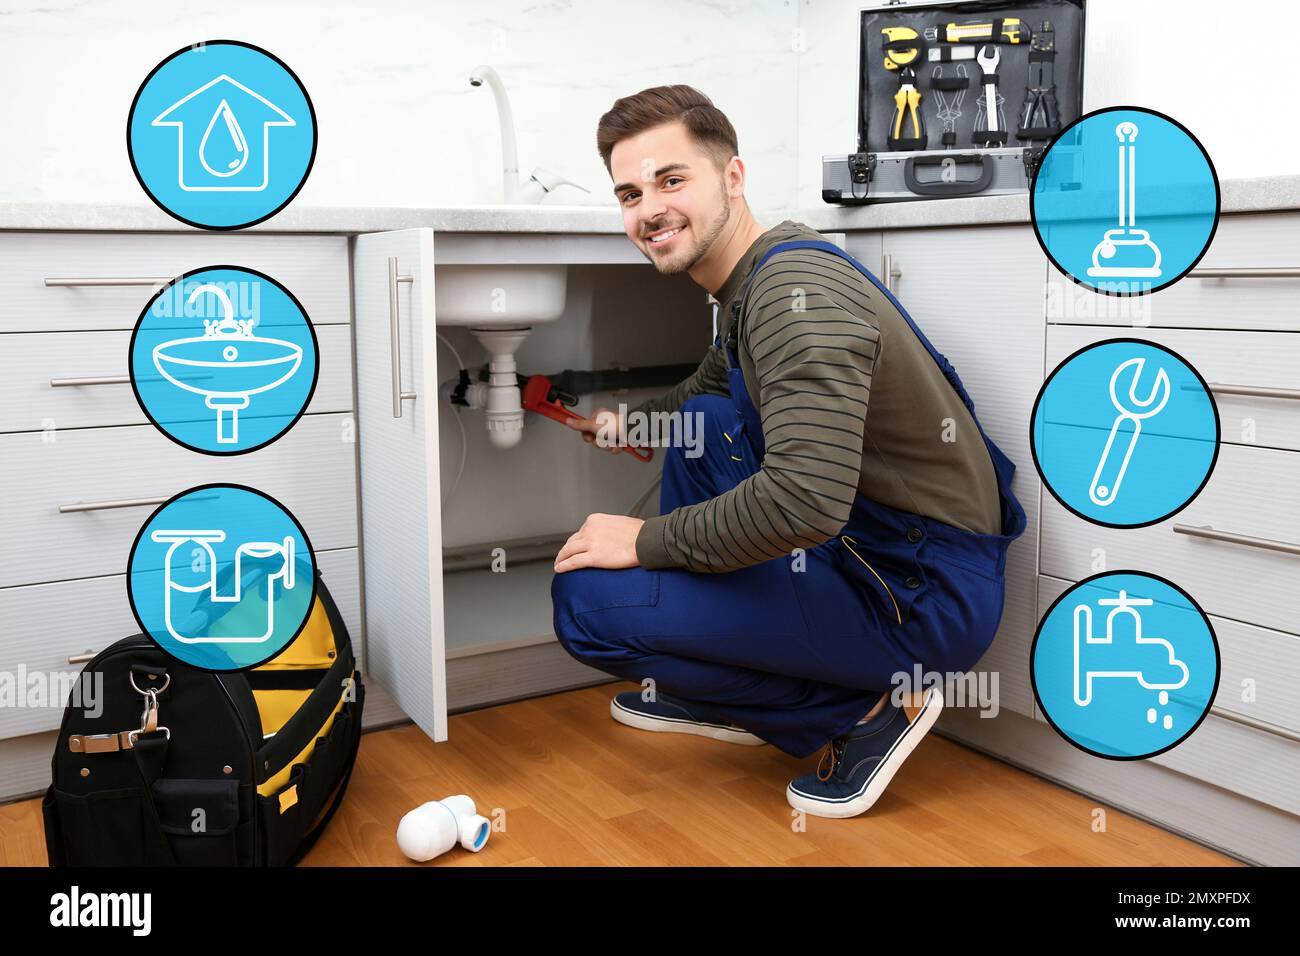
923	131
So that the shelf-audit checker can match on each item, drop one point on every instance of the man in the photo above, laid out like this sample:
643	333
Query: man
847	520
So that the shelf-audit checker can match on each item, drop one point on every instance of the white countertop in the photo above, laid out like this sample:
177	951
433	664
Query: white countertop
1239	195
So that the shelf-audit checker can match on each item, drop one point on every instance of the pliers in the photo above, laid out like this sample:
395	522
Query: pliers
907	100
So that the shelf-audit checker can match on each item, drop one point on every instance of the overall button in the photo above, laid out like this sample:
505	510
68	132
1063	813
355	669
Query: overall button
914	535
913	582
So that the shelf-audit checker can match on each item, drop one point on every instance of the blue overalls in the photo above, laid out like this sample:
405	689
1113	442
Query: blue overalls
798	648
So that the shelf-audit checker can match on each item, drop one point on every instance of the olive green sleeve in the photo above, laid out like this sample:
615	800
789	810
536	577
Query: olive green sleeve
814	353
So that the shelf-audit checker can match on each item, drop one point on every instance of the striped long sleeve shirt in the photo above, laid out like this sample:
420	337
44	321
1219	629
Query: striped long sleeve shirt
813	342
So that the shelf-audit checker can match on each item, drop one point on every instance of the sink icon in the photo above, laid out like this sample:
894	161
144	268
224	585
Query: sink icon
227	364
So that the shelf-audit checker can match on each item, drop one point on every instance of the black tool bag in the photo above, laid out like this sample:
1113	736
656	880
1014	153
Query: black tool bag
169	765
1039	76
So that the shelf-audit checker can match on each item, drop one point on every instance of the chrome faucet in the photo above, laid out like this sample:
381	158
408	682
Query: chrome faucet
541	182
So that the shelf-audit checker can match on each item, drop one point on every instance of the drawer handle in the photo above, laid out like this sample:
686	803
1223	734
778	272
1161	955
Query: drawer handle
889	272
82	658
104	281
1205	531
114	380
101	380
395	338
108	505
1255	724
1257	390
1248	272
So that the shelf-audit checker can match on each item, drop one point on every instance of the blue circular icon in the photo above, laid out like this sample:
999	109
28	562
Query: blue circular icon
1124	433
222	577
1125	665
1125	201
221	135
223	360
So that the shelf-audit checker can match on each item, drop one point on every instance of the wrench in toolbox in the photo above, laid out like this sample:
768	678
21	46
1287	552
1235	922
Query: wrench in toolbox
988	58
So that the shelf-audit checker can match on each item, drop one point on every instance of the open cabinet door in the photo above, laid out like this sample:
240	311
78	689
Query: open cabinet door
401	518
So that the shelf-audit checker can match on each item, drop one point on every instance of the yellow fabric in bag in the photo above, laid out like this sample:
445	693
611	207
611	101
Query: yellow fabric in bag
281	777
313	649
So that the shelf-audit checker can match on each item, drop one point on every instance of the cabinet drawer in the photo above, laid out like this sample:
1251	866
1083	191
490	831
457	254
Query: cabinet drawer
29	402
313	268
1260	668
1252	492
1242	759
311	471
1242	243
42	625
1232	363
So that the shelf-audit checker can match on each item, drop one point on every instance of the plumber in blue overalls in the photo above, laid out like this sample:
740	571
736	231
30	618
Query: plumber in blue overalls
728	655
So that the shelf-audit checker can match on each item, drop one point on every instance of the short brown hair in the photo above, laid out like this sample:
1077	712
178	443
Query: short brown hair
707	126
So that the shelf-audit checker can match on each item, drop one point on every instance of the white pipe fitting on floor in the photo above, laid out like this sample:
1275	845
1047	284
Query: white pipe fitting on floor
433	828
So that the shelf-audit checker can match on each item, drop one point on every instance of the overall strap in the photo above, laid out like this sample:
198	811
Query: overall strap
738	308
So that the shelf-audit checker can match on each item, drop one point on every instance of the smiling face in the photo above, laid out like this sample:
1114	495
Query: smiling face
675	200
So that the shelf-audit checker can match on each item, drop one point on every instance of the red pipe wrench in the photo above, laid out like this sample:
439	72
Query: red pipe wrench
540	396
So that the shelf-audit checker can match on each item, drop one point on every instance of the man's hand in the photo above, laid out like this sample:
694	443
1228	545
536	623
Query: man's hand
605	423
603	541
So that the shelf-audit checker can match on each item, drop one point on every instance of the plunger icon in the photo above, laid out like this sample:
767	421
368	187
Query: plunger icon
1126	237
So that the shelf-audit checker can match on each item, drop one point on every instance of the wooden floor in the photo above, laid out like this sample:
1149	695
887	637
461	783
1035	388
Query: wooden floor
567	786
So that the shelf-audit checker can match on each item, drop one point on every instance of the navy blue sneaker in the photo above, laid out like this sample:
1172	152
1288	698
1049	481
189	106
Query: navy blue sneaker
668	714
855	769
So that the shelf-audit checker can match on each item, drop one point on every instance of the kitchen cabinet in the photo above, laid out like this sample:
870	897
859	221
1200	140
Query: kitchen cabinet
992	332
1247	742
1248	279
27	399
1250	495
988	298
95	273
83	468
47	632
373	475
1234	547
397	424
443	640
88	473
1253	376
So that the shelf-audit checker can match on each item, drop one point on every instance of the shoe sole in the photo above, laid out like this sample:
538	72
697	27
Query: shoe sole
672	725
875	784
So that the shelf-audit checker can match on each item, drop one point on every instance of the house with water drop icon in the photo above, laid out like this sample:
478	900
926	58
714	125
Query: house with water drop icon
223	136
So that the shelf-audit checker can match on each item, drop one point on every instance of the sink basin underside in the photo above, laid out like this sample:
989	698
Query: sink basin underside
485	297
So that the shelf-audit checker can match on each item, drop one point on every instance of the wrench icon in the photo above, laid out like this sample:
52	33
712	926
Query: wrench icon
1103	491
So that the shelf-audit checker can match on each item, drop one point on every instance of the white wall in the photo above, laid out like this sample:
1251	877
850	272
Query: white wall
1175	56
399	123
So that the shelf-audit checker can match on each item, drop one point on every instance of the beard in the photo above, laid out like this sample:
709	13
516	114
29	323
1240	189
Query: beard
679	260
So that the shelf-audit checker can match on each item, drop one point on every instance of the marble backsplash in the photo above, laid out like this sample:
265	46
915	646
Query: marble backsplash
401	126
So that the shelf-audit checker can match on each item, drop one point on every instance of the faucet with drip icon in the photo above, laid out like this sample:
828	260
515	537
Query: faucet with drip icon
1085	673
227	364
